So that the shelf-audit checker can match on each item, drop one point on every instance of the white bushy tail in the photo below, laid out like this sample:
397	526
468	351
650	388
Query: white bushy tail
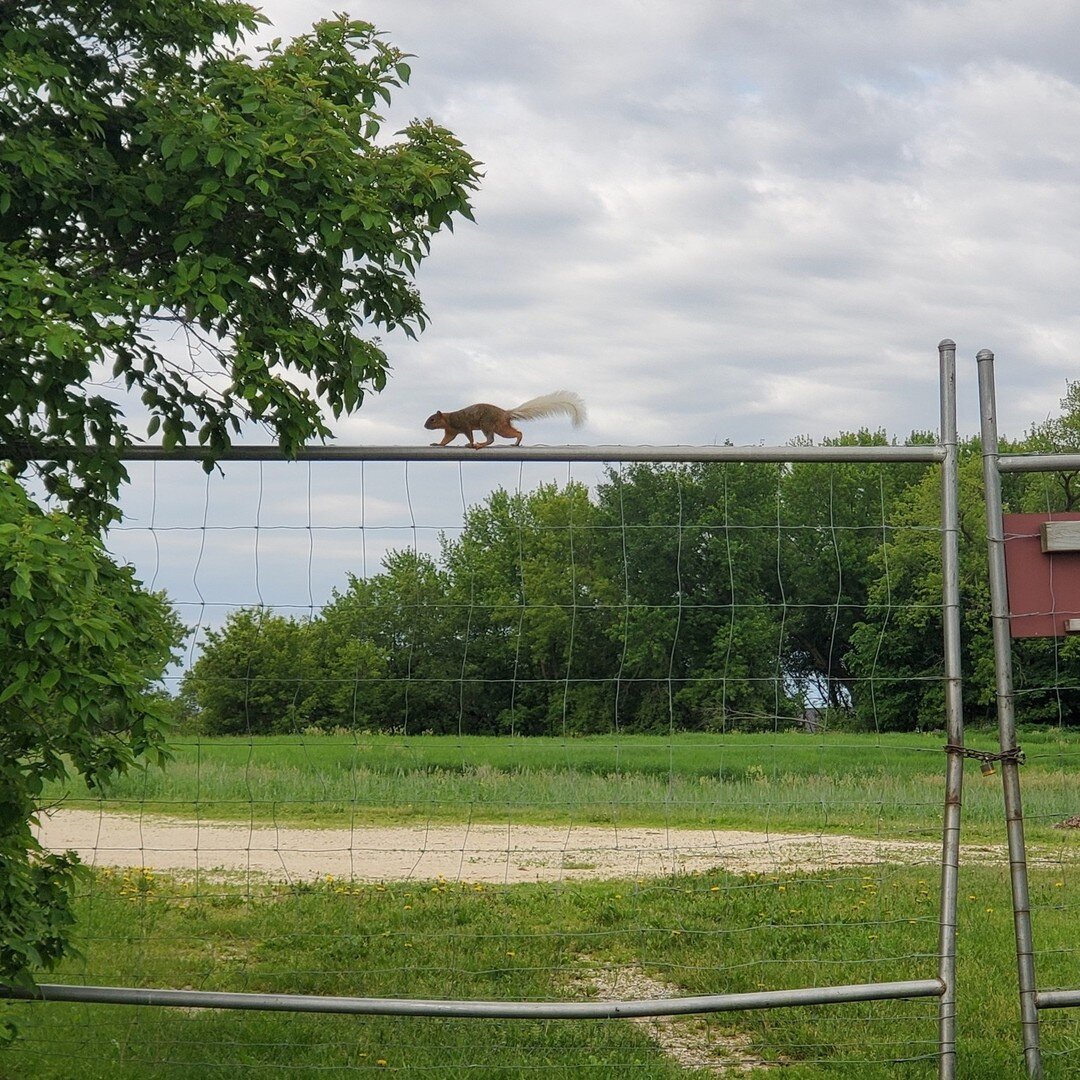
560	403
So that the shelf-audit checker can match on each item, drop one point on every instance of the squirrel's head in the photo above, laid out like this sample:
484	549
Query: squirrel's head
435	420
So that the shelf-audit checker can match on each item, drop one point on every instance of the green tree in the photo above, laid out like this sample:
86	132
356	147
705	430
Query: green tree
250	676
740	676
83	647
833	520
396	637
531	596
152	177
897	654
1056	435
159	188
698	640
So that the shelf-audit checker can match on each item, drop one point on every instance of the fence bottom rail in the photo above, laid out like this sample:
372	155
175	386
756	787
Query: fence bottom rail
532	1010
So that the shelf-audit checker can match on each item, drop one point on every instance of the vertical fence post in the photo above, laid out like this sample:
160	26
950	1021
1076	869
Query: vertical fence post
954	715
1010	767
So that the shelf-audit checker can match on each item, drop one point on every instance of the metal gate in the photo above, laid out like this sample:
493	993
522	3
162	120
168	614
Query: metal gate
939	983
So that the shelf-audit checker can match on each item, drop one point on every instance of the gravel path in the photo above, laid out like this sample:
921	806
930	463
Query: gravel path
479	853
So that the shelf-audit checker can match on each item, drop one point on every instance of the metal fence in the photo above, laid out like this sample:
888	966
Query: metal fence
939	979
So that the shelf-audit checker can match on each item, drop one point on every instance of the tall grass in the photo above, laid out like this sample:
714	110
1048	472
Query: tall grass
869	785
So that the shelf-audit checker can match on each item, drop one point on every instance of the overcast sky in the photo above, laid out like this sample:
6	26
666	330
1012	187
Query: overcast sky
721	220
748	221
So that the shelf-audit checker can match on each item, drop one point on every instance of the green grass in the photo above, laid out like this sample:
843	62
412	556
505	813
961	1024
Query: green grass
702	934
838	782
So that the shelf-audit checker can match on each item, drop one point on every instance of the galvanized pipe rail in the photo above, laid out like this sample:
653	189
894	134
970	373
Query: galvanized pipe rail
954	711
271	452
502	1010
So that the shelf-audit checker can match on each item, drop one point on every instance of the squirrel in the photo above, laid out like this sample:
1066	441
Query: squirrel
492	420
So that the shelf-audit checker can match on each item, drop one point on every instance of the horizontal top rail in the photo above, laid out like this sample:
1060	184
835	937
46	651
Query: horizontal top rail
271	452
1021	463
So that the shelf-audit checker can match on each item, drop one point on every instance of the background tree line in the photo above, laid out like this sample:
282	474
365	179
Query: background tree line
700	597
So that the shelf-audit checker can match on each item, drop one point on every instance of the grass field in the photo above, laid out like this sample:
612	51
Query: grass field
690	934
706	934
844	783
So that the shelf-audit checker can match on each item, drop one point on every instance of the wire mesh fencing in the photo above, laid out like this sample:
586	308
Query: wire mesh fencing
600	764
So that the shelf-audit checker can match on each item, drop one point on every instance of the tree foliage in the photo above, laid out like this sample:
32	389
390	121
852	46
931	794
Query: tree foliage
83	647
154	179
672	597
215	239
692	597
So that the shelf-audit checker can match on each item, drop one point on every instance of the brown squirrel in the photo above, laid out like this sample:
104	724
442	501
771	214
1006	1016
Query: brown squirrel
492	420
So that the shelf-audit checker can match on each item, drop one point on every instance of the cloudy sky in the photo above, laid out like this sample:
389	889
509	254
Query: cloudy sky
715	220
718	219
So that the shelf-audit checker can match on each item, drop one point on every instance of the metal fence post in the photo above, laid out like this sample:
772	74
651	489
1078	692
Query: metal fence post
1010	768
954	717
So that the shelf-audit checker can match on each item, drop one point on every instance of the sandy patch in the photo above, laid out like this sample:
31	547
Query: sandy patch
488	853
692	1041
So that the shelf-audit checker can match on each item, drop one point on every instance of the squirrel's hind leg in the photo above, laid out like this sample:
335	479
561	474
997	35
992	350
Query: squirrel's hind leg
507	431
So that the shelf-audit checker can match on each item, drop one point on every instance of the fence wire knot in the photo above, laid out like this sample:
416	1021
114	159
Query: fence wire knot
987	757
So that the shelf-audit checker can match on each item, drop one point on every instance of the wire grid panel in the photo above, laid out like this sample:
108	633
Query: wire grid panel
526	733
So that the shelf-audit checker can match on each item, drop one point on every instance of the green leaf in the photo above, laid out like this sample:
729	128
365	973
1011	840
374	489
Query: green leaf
55	342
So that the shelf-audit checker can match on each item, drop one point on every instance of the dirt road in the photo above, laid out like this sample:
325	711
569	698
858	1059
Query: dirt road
480	853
